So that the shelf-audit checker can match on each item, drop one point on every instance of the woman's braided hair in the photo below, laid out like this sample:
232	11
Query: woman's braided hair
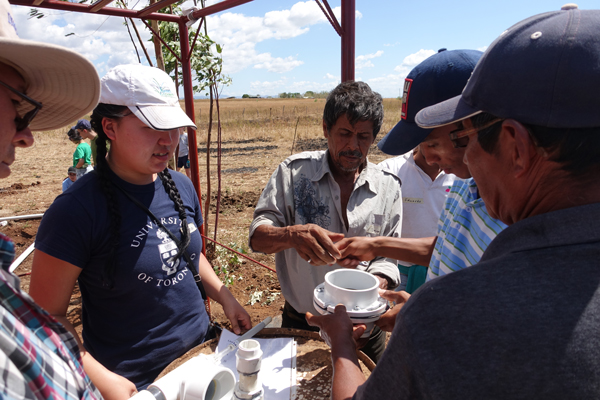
102	169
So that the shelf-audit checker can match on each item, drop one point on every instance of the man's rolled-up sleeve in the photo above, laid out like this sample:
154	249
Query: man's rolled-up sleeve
274	207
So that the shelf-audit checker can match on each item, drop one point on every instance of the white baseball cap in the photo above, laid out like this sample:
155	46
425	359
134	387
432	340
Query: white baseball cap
65	82
148	92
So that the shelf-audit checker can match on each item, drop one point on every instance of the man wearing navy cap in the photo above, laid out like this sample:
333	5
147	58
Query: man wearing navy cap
522	323
447	238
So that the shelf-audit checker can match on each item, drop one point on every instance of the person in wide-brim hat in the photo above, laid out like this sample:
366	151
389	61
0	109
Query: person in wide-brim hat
42	87
64	82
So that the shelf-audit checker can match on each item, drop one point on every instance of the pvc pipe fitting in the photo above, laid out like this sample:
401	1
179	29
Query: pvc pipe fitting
248	362
351	287
197	379
357	290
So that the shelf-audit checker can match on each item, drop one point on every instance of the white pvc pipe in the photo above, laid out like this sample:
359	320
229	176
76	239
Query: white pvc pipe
199	378
21	258
248	362
31	216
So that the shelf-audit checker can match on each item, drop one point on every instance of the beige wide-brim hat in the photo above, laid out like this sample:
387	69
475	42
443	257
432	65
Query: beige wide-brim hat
64	82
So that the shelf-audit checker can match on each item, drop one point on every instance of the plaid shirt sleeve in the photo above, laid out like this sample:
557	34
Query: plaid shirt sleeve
39	358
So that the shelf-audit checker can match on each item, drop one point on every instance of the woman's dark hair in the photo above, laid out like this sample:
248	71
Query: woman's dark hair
357	101
102	169
575	149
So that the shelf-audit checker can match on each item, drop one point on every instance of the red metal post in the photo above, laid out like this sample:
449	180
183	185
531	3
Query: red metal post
188	93
348	34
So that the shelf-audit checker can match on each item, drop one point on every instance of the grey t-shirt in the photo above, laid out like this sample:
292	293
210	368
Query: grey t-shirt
523	323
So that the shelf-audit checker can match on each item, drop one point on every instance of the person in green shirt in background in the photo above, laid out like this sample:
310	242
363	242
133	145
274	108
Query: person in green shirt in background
82	154
84	129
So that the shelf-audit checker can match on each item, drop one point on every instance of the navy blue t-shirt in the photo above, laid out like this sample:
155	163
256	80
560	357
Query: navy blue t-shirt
155	312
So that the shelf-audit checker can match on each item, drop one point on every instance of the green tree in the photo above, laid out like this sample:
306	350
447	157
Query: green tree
206	61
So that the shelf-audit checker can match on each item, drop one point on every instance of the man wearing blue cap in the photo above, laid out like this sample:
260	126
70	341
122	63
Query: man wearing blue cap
446	237
522	323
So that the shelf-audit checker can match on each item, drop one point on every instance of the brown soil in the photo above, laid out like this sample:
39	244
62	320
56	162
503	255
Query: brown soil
246	167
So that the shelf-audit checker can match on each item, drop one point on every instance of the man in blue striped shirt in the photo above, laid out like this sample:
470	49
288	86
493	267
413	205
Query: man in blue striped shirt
465	228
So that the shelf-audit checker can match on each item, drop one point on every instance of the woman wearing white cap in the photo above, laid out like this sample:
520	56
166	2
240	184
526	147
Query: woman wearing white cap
126	244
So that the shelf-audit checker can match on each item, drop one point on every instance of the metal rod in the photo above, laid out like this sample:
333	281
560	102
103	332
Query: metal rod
338	30
236	343
218	7
77	7
188	93
348	32
337	26
178	58
21	258
240	254
31	216
155	7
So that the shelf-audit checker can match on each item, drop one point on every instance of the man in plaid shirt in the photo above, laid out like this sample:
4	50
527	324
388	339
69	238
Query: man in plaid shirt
39	359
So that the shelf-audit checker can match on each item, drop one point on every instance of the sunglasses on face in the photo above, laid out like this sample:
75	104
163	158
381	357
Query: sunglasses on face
460	137
24	121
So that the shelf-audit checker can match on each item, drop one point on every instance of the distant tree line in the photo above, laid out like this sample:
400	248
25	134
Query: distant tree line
310	93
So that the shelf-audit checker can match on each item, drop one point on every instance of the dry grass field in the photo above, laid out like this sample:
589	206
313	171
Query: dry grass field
257	134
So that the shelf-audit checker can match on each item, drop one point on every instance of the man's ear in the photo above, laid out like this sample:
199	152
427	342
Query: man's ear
109	125
325	133
521	146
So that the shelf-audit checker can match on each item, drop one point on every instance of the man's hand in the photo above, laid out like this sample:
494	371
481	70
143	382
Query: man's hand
339	333
356	249
337	328
388	320
314	244
383	282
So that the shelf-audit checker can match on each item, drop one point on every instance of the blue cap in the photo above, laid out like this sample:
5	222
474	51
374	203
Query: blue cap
438	78
544	70
83	124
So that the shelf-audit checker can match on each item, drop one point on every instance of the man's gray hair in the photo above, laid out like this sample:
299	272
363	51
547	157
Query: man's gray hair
357	101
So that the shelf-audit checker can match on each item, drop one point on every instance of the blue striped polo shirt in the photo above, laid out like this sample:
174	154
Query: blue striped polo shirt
465	230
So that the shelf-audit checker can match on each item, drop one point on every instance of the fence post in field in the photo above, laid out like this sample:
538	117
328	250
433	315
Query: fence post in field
243	111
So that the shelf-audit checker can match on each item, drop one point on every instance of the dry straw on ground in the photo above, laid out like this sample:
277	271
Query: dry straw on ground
257	135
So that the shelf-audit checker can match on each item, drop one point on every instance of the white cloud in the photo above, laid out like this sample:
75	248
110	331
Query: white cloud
383	84
365	60
239	35
332	77
267	86
484	48
412	60
277	64
103	40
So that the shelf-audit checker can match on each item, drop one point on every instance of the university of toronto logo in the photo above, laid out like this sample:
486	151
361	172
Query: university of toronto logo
167	249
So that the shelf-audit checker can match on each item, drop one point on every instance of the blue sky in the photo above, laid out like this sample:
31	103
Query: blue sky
274	46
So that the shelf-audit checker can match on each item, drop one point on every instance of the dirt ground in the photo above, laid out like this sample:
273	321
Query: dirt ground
246	167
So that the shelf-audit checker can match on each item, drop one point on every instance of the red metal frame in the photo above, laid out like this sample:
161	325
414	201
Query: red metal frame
346	31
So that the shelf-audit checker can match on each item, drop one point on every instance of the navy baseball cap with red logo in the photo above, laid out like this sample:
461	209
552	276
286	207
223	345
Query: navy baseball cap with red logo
544	70
438	78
